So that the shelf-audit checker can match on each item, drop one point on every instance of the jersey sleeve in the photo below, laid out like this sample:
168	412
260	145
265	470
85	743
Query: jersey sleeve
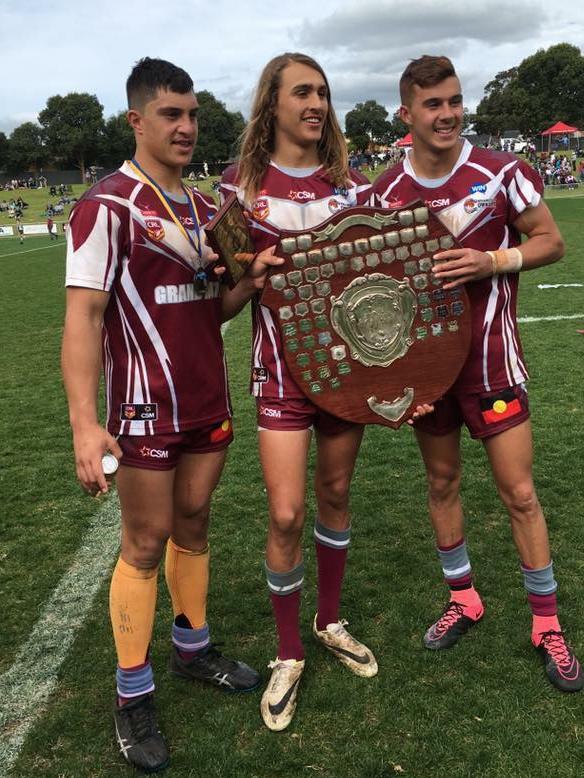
95	245
363	188
524	190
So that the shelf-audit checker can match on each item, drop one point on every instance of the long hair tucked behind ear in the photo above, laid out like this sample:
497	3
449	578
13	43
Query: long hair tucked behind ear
257	140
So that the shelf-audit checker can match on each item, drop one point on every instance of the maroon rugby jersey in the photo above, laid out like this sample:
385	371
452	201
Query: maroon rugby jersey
479	202
162	348
286	202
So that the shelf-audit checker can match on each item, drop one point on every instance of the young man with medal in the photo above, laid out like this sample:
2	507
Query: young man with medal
488	200
141	298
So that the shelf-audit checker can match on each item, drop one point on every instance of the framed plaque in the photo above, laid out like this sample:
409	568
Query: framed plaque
228	235
368	331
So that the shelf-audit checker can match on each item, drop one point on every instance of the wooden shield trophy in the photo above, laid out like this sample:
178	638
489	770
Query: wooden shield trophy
368	331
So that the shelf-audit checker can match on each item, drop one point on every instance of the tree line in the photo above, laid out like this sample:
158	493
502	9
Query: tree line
73	133
546	87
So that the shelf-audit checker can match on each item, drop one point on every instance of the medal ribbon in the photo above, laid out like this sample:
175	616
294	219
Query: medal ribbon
169	207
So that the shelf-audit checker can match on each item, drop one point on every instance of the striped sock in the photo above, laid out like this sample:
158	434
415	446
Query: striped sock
285	591
189	641
457	572
541	588
331	553
133	682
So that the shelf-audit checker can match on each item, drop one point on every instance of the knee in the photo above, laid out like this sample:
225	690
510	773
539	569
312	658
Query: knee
334	491
521	501
145	551
286	525
443	484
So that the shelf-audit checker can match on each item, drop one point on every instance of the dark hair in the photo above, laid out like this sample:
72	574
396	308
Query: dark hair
423	72
150	75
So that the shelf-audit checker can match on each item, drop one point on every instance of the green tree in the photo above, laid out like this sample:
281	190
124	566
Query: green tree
546	87
74	128
366	125
4	151
26	148
118	141
219	130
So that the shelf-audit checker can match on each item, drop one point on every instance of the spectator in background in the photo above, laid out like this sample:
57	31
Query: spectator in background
51	228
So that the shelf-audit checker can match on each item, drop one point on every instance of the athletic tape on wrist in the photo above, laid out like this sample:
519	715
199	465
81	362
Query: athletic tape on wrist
506	260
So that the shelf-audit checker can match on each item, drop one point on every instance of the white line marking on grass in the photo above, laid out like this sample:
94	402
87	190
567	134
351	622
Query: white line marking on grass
531	319
28	251
26	687
556	286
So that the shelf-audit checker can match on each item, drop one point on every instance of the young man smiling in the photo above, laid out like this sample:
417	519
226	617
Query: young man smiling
487	200
140	296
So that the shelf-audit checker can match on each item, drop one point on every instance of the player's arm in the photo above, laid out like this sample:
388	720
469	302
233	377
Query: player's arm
81	365
252	281
543	246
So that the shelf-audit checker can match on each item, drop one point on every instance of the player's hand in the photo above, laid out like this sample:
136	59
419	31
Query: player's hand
421	410
90	444
458	266
258	270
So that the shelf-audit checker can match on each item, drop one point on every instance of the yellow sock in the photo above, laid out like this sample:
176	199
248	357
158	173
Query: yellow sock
132	606
187	578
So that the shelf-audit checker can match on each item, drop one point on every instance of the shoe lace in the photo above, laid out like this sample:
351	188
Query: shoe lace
279	679
555	644
142	721
453	612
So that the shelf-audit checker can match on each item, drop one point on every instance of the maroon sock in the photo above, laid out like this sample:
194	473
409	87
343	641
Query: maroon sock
286	609
331	571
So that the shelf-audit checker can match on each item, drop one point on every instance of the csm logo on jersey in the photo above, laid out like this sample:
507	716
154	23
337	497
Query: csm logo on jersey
139	412
154	453
301	195
442	202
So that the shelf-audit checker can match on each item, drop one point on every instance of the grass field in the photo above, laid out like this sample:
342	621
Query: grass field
481	709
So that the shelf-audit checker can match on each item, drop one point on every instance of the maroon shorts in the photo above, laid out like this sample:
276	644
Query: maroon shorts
484	414
297	414
162	452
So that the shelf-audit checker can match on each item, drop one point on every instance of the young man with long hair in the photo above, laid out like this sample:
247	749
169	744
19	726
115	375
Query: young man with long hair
293	173
141	297
488	200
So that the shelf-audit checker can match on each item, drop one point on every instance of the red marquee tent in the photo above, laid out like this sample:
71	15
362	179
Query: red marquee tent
559	128
407	141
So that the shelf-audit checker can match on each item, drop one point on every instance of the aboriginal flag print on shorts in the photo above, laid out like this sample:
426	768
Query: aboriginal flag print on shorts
500	406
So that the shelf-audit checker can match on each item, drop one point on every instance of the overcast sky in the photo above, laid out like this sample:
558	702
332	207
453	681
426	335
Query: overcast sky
58	46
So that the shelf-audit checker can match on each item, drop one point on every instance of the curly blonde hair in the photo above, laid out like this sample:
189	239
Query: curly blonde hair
257	140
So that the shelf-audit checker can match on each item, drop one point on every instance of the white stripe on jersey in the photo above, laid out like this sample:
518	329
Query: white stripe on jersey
487	324
257	388
516	370
527	189
391	186
91	259
271	328
134	379
150	330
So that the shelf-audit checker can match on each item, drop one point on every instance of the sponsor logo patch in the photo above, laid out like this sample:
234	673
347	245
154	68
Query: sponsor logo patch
153	453
471	204
342	191
478	188
301	195
500	406
334	205
259	375
272	413
139	412
441	202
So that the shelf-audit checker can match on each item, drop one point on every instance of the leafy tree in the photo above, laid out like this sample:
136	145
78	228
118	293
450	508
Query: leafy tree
546	87
219	130
4	151
26	149
74	128
118	141
398	129
367	125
